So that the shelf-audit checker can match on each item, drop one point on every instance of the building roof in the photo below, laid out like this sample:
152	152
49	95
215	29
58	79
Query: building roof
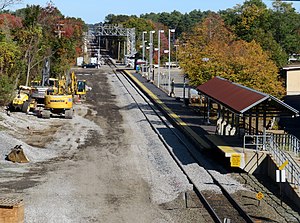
287	68
241	99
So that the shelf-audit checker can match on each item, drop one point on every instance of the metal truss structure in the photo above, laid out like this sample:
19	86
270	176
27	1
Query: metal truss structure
110	30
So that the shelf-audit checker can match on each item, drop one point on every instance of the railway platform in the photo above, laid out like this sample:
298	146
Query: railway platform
191	119
199	129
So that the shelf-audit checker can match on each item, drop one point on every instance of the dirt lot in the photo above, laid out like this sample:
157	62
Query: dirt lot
92	168
104	165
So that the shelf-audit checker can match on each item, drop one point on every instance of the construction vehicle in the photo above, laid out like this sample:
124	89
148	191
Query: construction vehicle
58	104
81	90
76	87
59	98
23	101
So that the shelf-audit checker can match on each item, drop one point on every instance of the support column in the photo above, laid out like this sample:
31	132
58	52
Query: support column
208	110
257	121
244	124
250	123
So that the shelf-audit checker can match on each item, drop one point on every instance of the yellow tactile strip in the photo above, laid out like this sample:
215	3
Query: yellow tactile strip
170	113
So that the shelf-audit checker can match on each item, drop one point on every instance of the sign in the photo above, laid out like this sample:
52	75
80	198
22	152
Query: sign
259	196
280	176
235	160
283	165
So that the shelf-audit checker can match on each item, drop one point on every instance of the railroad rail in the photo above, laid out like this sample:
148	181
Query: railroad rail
221	206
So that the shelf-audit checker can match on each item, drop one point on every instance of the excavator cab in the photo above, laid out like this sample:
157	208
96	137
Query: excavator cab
81	89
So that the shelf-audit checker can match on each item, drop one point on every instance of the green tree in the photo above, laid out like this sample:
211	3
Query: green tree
277	30
285	26
9	67
117	19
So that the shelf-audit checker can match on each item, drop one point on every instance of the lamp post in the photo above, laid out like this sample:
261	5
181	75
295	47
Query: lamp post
143	39
158	56
147	71
151	54
176	46
169	77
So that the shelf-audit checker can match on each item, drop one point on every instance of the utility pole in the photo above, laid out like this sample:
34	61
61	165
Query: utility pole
59	30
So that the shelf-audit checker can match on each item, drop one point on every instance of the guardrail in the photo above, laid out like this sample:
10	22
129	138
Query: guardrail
268	143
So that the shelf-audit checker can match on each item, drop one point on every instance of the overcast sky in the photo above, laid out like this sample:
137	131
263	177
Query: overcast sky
94	11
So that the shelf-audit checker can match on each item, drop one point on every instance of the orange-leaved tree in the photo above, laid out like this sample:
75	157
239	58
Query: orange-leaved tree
213	50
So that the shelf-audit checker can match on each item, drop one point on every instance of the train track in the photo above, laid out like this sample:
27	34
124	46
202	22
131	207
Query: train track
220	206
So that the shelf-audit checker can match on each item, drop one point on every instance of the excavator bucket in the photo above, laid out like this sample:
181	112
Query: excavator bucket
17	155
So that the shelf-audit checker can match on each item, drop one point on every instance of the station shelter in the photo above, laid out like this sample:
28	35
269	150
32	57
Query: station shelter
241	110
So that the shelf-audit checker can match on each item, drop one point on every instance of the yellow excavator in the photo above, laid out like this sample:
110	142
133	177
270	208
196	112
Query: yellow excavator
77	87
58	100
58	104
81	90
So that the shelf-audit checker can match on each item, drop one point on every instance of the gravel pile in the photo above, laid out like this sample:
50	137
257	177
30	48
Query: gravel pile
18	128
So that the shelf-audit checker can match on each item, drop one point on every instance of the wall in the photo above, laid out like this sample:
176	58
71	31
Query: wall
293	82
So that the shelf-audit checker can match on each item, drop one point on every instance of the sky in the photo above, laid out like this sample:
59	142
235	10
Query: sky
94	11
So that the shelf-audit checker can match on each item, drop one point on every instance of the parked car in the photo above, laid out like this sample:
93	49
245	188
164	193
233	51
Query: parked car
90	65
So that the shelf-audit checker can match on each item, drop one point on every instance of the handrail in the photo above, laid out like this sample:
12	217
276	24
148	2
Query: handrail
287	142
292	168
267	142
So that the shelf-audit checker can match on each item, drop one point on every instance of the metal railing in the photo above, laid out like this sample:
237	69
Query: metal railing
287	142
268	143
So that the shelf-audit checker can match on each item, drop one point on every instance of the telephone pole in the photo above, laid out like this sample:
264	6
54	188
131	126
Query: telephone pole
59	30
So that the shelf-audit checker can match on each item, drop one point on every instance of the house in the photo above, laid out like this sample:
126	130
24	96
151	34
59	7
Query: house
292	77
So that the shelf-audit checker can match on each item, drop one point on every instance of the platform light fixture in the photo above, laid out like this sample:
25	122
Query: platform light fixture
143	39
169	68
151	54
158	56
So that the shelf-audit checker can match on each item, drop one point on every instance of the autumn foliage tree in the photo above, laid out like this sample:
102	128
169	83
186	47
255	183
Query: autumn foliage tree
213	50
29	36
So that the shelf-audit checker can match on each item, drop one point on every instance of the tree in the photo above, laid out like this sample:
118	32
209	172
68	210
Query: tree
117	19
8	24
285	26
213	50
277	30
9	67
28	37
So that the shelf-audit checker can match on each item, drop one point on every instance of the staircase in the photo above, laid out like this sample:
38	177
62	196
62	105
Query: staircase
279	156
279	150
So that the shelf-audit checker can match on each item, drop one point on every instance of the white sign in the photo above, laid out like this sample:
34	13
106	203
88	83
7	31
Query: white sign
280	176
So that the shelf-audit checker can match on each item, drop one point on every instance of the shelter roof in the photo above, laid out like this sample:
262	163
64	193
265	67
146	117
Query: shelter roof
241	99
